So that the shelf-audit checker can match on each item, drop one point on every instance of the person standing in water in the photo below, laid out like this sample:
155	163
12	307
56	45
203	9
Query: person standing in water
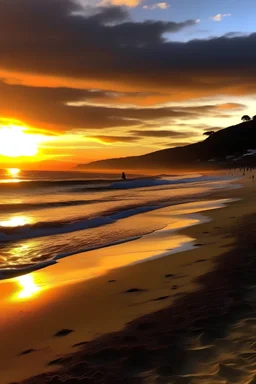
123	176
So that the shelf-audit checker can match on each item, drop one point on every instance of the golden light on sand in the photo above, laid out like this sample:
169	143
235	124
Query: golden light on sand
13	172
15	221
15	142
28	287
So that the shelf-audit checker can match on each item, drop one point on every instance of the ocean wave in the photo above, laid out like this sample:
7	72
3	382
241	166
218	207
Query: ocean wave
43	229
9	273
19	207
154	182
55	227
80	185
35	184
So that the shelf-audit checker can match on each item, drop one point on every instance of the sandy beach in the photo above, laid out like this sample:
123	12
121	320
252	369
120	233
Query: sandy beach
186	315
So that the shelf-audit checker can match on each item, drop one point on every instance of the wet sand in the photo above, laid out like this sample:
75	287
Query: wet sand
171	319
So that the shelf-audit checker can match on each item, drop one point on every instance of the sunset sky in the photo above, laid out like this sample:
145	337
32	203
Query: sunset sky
86	80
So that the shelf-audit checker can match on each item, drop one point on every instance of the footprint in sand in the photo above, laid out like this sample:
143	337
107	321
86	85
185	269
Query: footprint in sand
160	298
63	332
82	343
135	290
27	352
169	275
180	277
59	361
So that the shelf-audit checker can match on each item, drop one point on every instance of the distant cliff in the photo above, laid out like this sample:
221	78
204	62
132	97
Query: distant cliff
228	144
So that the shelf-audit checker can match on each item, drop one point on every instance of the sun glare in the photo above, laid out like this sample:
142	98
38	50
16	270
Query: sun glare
15	142
28	287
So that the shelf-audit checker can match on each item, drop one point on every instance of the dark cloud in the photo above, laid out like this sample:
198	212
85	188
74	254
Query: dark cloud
118	62
199	128
57	37
211	109
114	139
161	133
209	129
109	15
55	108
52	37
173	144
48	107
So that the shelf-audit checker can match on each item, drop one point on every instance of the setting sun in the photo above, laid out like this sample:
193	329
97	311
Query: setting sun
15	142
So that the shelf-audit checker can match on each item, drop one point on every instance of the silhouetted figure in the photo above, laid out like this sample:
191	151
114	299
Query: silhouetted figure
123	176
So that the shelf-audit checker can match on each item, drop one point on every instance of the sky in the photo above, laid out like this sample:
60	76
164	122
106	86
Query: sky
82	80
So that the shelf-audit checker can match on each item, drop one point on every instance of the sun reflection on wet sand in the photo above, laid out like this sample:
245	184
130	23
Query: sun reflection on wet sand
28	287
91	264
15	221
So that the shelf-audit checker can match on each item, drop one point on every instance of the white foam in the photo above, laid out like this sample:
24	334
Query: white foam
144	183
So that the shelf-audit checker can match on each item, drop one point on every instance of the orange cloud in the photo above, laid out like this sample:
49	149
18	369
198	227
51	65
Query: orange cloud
232	106
112	139
127	3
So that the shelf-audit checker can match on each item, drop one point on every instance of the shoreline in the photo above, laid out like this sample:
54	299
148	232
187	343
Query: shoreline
130	214
103	299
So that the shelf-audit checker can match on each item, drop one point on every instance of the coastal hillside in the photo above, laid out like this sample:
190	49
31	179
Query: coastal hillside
225	146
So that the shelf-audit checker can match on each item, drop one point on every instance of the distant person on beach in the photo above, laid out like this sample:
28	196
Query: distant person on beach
123	176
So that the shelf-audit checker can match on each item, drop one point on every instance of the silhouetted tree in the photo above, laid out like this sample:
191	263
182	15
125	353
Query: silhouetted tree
246	118
210	133
254	118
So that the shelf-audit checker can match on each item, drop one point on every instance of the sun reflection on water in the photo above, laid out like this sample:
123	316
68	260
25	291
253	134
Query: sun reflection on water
11	175
28	287
14	172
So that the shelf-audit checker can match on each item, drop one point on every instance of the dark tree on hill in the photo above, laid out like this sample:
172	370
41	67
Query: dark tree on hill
210	133
246	118
254	118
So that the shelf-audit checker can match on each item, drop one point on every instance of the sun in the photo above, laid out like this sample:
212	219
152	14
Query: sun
15	142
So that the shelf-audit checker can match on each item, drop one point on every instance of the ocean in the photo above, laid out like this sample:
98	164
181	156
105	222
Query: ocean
45	216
